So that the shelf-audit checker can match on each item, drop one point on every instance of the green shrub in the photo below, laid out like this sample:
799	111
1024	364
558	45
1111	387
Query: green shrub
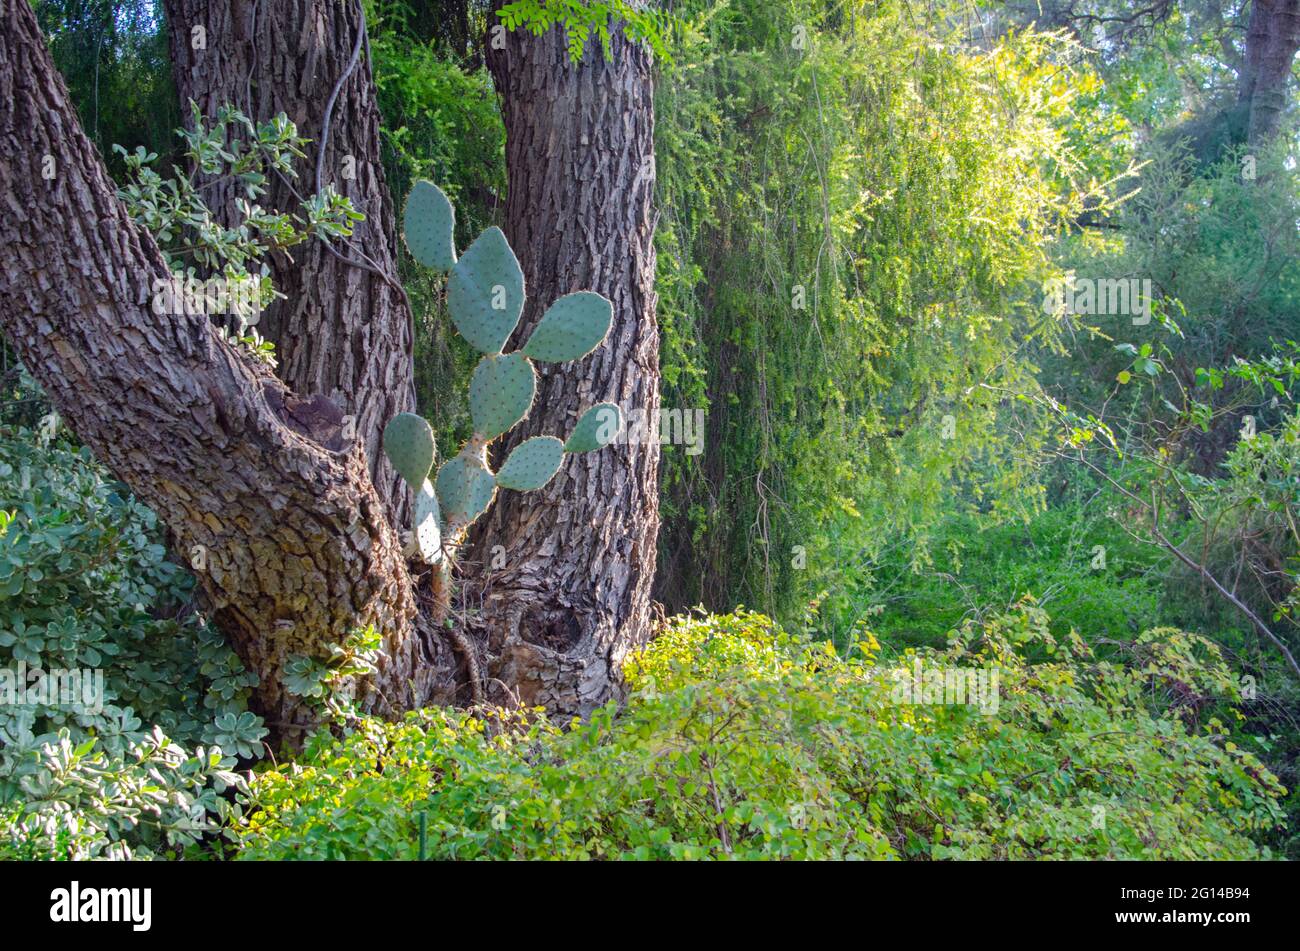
1071	558
85	586
743	741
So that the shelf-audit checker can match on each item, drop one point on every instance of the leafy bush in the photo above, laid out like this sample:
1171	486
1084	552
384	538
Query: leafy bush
85	586
743	741
1071	558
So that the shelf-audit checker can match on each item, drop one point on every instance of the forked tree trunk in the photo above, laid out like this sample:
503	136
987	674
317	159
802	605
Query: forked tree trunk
258	485
342	330
289	537
571	593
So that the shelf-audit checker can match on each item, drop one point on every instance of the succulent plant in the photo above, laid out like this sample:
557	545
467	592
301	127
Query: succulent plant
410	447
485	294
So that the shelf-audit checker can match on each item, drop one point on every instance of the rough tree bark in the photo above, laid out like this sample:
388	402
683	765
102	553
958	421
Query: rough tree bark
342	330
1272	39
296	550
295	547
572	595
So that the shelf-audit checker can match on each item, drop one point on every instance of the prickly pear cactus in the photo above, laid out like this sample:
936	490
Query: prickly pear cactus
485	294
597	428
571	328
429	224
532	464
409	445
501	393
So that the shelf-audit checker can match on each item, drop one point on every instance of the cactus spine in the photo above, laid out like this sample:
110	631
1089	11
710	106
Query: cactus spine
485	295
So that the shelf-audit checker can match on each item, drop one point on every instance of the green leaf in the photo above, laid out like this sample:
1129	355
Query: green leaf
427	522
409	445
464	491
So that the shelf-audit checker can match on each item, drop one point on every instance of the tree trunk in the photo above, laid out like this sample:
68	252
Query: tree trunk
1272	38
570	593
342	330
289	538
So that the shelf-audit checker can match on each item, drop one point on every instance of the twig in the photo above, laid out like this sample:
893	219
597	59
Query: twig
334	95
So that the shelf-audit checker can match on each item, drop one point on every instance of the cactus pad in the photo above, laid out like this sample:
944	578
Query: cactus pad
486	292
597	428
464	491
408	443
532	464
571	328
428	535
429	223
501	392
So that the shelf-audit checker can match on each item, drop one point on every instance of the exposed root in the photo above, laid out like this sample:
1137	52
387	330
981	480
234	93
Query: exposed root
440	584
467	651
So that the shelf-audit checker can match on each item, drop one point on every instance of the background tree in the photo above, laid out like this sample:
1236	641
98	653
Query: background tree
115	61
1251	44
848	225
1272	38
567	593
